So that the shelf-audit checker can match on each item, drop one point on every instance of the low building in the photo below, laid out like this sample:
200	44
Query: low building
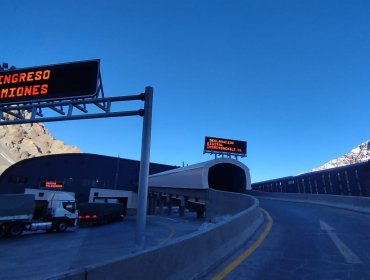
77	173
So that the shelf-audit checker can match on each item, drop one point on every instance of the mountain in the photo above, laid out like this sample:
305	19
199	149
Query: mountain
359	154
18	142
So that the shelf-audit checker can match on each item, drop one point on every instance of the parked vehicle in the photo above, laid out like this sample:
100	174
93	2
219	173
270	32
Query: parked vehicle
36	210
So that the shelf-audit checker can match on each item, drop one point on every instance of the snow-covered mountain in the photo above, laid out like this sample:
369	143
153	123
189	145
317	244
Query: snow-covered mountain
24	141
359	154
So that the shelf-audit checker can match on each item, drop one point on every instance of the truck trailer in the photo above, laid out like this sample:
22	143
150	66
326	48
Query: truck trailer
95	213
36	210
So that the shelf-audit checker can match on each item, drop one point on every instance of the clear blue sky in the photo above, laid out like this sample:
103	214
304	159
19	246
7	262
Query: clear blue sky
290	77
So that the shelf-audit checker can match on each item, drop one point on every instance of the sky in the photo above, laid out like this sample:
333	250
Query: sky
292	78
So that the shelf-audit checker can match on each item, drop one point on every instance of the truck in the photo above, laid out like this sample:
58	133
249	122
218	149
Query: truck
37	210
104	206
96	213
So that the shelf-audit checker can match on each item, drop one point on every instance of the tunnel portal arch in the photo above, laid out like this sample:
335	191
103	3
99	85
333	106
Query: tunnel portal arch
227	177
222	174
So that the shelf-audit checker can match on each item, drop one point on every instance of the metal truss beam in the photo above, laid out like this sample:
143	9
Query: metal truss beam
66	112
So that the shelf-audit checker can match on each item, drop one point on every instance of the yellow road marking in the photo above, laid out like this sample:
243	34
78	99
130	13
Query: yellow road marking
171	228
169	237
230	267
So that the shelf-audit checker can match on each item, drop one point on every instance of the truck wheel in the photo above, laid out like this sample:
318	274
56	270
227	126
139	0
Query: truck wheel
16	229
61	226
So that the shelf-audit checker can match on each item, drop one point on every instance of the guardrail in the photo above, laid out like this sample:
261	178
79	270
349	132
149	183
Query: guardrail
354	203
191	255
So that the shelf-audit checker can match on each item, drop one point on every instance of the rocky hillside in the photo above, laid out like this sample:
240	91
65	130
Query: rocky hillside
359	154
24	141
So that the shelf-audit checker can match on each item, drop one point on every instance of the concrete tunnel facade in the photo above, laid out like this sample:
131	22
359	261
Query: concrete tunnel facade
223	174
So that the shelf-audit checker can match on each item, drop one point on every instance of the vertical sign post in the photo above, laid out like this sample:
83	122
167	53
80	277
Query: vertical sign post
144	169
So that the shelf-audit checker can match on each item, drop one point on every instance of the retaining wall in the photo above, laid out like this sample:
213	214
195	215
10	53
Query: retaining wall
355	203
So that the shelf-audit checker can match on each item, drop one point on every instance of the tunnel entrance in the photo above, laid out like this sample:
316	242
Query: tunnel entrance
227	177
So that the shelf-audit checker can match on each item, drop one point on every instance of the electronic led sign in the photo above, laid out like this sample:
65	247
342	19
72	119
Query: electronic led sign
225	146
51	82
52	185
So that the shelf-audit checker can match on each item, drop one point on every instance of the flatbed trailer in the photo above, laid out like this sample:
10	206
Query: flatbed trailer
100	213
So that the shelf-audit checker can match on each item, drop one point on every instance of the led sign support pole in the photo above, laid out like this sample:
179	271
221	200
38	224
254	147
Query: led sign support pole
144	169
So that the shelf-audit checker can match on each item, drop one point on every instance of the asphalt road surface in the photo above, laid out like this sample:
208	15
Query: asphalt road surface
308	242
41	255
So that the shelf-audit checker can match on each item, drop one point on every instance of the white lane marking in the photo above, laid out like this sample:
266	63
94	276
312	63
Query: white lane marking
347	253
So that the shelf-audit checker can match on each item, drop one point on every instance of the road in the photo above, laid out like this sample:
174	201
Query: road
308	242
40	255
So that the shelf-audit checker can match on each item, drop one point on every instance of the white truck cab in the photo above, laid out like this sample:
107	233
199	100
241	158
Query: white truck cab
55	206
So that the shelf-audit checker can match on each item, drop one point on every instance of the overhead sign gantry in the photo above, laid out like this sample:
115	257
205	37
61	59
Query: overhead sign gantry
73	91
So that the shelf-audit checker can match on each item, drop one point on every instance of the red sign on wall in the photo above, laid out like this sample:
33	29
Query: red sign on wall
52	185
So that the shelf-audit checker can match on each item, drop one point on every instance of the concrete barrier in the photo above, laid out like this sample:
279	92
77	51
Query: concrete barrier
191	255
354	203
225	203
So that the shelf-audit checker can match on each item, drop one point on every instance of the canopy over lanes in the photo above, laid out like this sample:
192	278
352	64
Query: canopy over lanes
223	174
